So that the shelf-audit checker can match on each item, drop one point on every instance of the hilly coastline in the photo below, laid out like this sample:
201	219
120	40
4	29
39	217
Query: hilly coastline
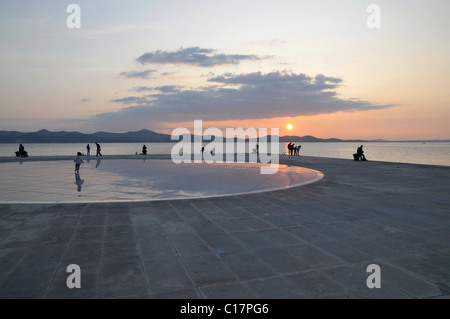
45	136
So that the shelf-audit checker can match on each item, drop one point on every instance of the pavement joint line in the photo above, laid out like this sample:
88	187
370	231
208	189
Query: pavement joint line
138	248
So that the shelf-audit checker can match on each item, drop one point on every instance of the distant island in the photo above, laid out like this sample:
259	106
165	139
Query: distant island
45	136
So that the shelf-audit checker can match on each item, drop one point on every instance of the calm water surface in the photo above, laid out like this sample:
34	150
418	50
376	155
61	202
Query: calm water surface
433	153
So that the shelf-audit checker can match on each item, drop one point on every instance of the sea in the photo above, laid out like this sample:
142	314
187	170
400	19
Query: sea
429	153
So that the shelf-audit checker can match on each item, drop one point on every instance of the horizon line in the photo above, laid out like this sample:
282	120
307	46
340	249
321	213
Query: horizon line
284	136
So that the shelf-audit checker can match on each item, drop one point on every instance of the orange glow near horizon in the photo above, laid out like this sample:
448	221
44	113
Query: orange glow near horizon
373	124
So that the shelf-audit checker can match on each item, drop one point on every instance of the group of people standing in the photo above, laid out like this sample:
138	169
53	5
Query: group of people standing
99	149
293	150
79	160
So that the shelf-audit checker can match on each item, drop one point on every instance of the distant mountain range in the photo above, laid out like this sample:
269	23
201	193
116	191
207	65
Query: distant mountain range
146	136
45	136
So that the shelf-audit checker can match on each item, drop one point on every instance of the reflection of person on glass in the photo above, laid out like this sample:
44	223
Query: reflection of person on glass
98	163
78	181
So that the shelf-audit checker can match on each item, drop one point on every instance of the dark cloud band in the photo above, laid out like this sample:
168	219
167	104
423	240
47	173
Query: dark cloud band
238	97
137	74
193	56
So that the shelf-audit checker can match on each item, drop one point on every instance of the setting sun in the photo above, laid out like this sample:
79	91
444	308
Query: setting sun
289	127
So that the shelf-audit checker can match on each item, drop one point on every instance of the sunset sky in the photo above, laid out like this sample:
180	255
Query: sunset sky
159	65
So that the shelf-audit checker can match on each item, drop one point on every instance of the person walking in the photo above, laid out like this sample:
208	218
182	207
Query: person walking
78	160
99	149
88	148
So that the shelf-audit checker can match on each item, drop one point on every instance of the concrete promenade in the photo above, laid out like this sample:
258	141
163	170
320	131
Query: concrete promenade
312	241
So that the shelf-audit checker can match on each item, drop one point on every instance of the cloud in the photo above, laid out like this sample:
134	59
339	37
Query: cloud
142	89
168	73
132	100
163	89
194	56
235	97
86	100
137	74
277	42
281	81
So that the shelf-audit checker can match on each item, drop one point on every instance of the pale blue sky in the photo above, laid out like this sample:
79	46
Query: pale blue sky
393	79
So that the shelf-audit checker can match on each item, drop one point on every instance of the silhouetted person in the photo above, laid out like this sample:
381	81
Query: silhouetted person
360	154
289	146
21	152
297	150
144	150
203	149
78	160
88	149
99	149
257	148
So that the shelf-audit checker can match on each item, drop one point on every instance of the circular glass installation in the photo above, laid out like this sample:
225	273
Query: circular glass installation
139	180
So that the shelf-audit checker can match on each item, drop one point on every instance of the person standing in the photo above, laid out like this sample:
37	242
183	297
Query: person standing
88	148
99	149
